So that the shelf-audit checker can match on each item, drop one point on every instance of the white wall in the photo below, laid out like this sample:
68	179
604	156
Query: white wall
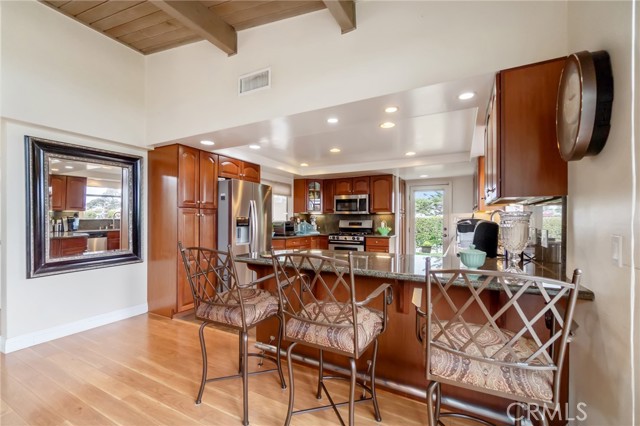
62	81
600	205
398	45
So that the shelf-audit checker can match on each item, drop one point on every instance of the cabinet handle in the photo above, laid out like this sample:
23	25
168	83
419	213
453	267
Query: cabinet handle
197	202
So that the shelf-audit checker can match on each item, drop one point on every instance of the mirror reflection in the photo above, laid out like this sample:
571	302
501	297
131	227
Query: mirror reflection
85	208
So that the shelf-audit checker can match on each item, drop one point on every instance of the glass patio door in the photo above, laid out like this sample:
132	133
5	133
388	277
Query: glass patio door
429	208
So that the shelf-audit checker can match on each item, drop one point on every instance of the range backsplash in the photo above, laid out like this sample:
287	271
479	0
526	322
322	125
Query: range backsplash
328	223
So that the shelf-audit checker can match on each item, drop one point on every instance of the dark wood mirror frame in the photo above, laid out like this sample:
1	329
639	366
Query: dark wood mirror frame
37	152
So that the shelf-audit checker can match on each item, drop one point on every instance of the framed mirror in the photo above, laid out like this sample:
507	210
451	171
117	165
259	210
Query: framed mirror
83	208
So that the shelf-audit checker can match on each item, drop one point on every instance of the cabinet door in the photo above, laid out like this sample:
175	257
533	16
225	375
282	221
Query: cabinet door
360	185
343	186
491	148
278	244
229	167
250	172
54	247
323	242
328	191
113	240
299	195
73	246
58	185
381	200
76	193
208	236
314	196
208	173
188	234
188	177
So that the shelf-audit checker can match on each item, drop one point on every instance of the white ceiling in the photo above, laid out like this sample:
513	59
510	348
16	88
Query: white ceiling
442	130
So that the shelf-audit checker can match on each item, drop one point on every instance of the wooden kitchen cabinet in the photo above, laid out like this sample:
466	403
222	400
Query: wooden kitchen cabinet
172	186
301	243
320	242
307	196
328	192
237	169
380	244
197	178
278	244
68	193
381	197
348	186
521	154
113	240
63	247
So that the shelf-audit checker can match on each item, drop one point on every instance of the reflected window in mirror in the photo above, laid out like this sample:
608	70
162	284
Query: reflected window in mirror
84	207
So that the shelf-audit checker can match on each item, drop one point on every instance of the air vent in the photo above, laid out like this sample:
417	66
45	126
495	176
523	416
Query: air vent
254	81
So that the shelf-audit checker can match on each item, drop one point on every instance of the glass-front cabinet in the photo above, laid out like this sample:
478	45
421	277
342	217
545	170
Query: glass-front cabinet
314	196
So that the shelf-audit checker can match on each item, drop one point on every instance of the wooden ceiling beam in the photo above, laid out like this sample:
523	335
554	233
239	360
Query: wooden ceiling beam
195	16
344	12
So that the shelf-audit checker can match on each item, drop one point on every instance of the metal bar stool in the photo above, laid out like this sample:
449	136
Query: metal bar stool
220	299
466	347
319	308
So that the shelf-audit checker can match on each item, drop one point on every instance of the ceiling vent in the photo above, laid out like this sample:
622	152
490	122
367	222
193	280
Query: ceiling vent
257	80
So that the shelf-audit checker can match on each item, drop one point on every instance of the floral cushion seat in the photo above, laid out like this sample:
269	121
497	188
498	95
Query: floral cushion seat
258	305
337	333
534	384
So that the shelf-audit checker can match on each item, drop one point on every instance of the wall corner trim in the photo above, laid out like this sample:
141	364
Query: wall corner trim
24	341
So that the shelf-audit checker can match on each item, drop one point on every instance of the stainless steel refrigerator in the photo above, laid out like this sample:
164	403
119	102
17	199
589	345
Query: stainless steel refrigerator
244	220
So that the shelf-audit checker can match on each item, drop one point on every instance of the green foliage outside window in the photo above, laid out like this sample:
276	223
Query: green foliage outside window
429	223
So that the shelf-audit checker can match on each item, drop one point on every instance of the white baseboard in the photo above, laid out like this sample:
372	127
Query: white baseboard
20	342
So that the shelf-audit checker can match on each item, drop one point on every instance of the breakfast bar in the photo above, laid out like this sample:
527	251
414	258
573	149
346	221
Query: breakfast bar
400	365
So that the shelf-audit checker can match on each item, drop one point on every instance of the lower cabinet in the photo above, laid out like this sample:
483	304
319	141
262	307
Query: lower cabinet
320	242
113	240
62	247
380	244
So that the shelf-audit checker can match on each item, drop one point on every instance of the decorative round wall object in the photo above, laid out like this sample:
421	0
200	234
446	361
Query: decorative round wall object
583	109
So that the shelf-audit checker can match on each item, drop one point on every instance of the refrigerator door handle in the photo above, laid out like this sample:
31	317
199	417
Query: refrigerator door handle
253	225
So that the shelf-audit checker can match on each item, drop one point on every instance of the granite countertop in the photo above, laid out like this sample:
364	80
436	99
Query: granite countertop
412	267
76	234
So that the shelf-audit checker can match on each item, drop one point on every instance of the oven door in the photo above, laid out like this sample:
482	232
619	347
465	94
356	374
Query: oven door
346	247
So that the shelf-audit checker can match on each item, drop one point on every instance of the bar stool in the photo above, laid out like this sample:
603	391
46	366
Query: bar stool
466	347
319	309
220	299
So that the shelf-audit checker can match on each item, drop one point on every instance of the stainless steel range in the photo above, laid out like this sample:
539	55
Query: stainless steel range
351	236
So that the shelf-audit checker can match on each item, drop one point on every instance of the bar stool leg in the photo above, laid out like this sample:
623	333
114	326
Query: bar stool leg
320	375
374	396
291	386
432	415
278	347
203	349
245	378
352	392
239	352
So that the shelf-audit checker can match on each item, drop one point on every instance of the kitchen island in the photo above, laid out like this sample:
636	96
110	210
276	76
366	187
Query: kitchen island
400	365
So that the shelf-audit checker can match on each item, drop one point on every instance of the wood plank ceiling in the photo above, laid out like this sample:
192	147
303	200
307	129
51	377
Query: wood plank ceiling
153	26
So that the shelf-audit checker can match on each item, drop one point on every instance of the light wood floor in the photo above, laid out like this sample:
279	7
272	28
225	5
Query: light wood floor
145	371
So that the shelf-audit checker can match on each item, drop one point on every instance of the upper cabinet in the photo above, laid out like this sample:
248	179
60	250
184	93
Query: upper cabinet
381	199
348	186
307	196
328	192
68	193
521	154
197	178
238	169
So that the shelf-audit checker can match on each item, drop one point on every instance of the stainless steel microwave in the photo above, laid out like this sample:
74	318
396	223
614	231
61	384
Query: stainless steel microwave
351	204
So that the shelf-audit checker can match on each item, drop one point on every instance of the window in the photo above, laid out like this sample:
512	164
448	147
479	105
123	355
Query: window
280	207
103	203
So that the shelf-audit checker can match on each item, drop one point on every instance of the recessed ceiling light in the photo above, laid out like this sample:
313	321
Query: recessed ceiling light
466	95
205	142
387	125
55	170
304	165
254	146
391	109
334	150
424	176
68	167
332	120
410	154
